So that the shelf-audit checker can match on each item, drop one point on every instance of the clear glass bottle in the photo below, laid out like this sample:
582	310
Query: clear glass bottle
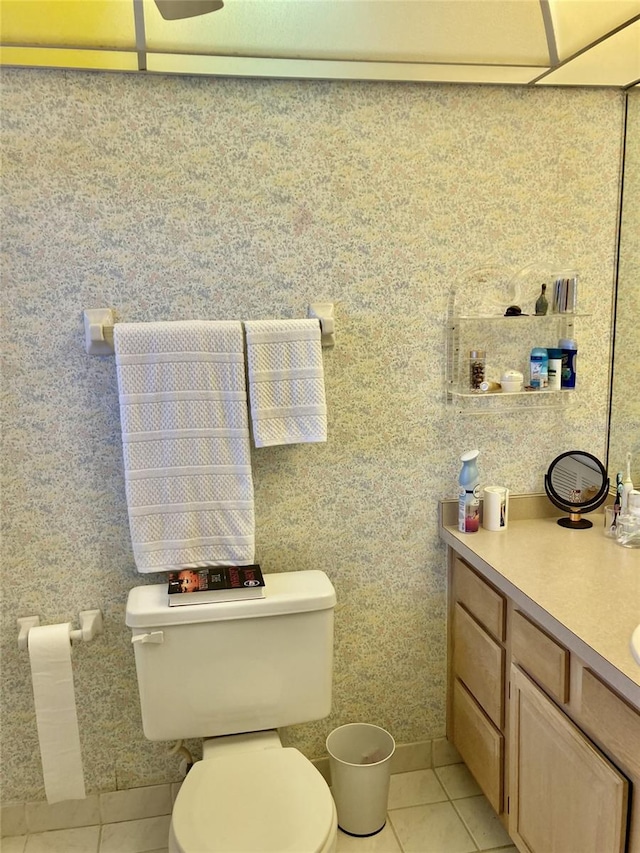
628	526
469	493
542	305
477	364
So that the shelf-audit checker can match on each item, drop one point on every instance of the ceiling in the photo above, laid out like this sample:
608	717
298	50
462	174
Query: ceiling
519	42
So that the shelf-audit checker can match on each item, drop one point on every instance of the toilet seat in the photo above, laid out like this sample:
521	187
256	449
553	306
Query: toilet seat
267	801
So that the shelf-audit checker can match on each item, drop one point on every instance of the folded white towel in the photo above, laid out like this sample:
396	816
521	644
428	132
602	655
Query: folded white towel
286	381
185	438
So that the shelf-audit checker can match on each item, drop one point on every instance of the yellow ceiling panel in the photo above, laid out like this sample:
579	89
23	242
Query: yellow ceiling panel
51	57
495	32
578	23
612	62
458	41
68	23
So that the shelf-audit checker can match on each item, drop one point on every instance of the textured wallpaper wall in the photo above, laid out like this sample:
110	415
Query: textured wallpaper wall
172	198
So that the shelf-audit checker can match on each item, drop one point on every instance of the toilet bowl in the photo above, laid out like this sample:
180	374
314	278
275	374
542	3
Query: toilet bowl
238	671
263	800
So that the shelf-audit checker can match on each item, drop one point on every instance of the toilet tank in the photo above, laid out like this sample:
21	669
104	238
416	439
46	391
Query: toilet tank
234	666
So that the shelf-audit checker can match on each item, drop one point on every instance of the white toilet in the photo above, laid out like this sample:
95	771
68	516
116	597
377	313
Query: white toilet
233	672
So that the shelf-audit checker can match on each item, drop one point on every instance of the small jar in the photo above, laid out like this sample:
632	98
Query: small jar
511	381
477	363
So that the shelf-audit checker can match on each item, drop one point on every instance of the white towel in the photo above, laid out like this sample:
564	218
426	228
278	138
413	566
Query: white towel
286	381
185	438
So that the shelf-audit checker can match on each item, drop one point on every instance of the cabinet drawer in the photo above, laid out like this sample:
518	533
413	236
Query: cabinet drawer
487	605
478	661
479	743
611	721
541	656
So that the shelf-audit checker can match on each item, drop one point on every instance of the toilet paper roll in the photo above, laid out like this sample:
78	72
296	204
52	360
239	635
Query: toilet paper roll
56	717
495	508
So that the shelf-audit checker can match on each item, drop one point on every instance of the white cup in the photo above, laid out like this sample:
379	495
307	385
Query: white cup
495	510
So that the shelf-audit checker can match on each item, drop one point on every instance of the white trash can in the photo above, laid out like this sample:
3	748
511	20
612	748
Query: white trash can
360	761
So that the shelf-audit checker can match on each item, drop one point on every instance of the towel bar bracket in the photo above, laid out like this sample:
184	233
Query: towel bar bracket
323	311
98	331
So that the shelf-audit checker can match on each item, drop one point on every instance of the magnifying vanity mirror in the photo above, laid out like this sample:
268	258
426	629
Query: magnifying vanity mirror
576	482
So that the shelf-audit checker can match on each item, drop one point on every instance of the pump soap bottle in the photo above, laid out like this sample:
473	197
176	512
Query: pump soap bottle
469	494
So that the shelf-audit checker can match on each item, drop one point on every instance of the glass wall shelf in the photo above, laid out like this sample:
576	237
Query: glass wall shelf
507	342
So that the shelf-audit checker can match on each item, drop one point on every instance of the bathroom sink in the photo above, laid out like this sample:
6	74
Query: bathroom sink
635	644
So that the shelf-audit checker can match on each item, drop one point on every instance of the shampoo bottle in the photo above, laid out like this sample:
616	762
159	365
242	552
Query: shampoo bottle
469	494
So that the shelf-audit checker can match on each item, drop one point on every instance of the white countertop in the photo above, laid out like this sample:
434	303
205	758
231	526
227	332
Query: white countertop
578	584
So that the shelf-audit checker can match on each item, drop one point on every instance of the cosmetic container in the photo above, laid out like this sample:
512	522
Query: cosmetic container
539	368
477	364
511	381
555	369
569	349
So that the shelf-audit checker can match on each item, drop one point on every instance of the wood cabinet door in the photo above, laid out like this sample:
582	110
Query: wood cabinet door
565	796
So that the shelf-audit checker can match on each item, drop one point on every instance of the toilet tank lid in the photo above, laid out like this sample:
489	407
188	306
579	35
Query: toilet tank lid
284	593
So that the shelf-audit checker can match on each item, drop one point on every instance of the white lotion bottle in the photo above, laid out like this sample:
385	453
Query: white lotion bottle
555	369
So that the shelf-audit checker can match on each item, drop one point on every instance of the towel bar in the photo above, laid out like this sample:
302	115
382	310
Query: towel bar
99	322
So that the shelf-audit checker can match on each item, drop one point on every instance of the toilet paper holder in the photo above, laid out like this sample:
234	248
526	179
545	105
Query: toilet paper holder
90	625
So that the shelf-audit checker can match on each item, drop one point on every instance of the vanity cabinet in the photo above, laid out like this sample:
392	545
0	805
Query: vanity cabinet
565	796
477	680
540	655
554	749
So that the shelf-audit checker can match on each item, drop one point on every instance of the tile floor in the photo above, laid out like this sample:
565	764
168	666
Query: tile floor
430	811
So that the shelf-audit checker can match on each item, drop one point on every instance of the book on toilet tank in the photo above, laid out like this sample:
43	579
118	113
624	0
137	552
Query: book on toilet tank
215	583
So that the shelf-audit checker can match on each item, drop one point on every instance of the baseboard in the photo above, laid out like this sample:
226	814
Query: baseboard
156	800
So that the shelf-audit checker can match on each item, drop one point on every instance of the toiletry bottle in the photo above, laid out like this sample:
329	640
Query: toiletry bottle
569	349
539	365
542	304
627	486
555	368
617	503
469	494
477	361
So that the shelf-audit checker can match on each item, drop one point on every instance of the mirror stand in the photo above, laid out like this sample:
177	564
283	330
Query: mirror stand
575	521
